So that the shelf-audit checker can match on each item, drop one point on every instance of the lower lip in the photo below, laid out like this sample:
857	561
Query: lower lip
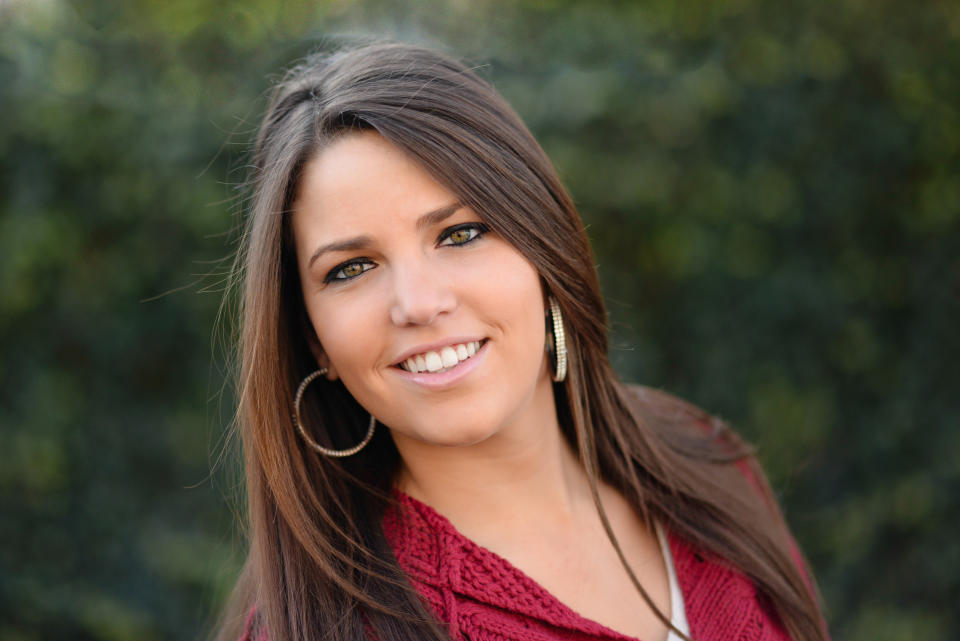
449	378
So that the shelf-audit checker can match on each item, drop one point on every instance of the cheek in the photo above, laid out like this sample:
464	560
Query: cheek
347	329
515	297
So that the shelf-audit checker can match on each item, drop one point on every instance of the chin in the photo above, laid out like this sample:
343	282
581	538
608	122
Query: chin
453	435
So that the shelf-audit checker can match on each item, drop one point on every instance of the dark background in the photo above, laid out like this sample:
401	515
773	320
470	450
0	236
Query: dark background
772	188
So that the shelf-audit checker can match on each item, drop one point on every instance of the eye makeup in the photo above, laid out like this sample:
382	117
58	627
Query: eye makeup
462	234
349	270
453	236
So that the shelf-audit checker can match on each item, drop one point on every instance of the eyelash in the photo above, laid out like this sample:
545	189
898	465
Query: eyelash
480	229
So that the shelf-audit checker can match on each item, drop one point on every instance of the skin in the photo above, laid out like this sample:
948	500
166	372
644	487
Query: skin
487	451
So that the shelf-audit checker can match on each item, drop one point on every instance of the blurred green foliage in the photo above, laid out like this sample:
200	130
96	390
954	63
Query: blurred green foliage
773	190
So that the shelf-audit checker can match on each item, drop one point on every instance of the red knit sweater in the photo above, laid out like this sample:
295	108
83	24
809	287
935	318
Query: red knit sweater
482	597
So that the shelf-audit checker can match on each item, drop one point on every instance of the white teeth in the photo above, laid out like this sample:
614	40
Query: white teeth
434	361
449	357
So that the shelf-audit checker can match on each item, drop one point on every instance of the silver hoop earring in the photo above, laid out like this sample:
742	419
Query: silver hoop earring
559	360
306	437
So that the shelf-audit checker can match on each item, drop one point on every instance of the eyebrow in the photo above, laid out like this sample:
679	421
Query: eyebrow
429	219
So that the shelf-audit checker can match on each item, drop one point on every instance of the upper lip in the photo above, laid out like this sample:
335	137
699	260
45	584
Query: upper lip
436	346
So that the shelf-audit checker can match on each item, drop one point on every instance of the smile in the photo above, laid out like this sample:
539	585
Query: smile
441	360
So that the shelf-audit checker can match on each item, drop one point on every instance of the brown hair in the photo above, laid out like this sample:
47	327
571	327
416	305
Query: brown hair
319	565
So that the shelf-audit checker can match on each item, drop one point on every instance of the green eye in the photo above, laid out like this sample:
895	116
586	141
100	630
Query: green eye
347	271
463	234
351	270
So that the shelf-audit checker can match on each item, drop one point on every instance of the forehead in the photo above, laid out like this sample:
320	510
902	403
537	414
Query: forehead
361	179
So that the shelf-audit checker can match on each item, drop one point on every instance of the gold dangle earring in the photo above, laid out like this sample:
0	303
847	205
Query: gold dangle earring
558	353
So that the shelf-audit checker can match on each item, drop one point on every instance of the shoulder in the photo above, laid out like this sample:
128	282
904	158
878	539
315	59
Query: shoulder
665	405
701	439
681	423
253	628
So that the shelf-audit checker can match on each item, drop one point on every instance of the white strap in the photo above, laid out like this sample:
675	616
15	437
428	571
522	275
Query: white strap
678	615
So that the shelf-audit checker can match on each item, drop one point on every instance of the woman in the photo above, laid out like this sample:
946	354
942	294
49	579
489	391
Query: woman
461	461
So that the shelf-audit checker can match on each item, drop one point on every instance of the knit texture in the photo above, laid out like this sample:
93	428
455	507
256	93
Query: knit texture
481	596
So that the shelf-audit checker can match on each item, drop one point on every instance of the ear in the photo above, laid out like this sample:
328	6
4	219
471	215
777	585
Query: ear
317	350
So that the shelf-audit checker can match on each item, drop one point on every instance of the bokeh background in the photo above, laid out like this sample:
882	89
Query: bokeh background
773	190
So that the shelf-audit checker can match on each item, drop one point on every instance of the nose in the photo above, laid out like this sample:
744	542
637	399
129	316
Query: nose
421	294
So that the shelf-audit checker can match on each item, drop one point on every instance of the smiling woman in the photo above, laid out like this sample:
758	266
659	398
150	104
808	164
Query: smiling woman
417	279
462	462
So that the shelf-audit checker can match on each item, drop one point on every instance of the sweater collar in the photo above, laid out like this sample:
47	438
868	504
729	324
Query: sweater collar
436	555
720	602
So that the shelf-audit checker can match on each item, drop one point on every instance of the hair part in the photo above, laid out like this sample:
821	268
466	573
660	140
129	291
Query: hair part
319	564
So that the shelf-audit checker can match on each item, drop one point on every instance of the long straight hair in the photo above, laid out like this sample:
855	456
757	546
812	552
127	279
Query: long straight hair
319	565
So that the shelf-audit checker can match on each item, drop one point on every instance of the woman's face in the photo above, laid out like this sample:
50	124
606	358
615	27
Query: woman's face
433	323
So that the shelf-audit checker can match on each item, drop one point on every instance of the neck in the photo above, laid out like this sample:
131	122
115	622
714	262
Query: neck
525	475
